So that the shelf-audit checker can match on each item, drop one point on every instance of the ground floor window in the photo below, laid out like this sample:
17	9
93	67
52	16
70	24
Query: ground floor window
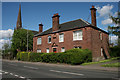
47	50
62	49
79	47
101	51
39	51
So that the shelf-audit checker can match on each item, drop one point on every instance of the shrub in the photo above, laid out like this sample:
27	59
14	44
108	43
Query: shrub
18	55
73	56
24	56
35	57
115	51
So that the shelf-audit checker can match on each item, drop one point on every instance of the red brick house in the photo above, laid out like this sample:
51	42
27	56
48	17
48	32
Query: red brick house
73	34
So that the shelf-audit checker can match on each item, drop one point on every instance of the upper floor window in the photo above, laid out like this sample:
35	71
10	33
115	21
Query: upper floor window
39	41
49	39
77	35
100	36
61	37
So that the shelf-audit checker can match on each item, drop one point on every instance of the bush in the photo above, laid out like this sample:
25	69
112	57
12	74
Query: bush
24	56
18	55
35	57
115	51
73	56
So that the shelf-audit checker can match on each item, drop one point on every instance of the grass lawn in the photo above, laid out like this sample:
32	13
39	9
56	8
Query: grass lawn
117	64
107	60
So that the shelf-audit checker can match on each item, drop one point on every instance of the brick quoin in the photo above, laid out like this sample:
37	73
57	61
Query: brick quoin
91	39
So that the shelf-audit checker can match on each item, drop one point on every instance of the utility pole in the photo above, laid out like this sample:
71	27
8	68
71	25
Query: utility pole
27	39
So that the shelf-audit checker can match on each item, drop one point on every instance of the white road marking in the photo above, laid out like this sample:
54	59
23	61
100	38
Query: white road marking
11	73
67	72
0	73
6	72
13	64
30	67
16	75
22	77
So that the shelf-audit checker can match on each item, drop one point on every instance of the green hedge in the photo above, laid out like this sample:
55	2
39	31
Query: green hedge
73	56
35	57
114	51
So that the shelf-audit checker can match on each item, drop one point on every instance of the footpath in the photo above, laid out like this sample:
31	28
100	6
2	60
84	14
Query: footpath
90	66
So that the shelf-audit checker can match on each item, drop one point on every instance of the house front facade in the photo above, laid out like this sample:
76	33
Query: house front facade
73	34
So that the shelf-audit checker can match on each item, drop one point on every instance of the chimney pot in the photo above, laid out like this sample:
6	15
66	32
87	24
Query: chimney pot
92	6
55	22
40	28
93	16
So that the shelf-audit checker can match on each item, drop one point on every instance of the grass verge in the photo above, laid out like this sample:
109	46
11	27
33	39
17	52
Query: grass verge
103	61
117	64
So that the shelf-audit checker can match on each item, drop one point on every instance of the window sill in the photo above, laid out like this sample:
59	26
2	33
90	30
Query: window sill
77	40
39	44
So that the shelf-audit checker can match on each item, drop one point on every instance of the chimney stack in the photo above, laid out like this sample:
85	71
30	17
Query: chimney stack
93	16
55	22
40	28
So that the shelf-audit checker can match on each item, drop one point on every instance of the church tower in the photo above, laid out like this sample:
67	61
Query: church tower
19	20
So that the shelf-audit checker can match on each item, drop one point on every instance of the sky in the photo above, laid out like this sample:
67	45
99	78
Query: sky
34	13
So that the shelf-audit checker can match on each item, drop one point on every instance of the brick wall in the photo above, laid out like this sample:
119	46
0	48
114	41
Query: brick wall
91	40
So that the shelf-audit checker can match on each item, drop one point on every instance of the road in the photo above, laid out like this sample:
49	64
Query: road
25	71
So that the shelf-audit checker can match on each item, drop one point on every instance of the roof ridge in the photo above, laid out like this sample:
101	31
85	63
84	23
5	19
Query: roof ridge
69	21
85	21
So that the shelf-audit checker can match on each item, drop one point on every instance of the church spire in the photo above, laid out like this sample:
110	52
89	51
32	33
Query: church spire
19	20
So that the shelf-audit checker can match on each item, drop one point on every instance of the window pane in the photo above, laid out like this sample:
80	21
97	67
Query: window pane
62	49
47	50
39	51
79	35
61	38
49	39
39	41
75	35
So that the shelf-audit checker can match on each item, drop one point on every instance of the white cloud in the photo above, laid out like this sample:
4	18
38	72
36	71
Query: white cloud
107	21
115	14
3	41
105	10
6	33
113	39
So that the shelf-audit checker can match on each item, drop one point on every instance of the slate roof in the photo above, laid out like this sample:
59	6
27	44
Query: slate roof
67	26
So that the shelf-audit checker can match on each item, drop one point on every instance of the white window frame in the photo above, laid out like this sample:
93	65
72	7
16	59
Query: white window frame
47	50
62	50
77	35
48	39
39	51
39	41
101	36
61	37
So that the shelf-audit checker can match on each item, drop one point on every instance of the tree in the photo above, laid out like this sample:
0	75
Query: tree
115	29
19	40
5	46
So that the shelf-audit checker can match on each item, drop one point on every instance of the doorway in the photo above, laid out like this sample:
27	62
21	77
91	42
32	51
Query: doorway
55	50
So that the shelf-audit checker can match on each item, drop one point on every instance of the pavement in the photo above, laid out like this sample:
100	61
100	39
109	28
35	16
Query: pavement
13	69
